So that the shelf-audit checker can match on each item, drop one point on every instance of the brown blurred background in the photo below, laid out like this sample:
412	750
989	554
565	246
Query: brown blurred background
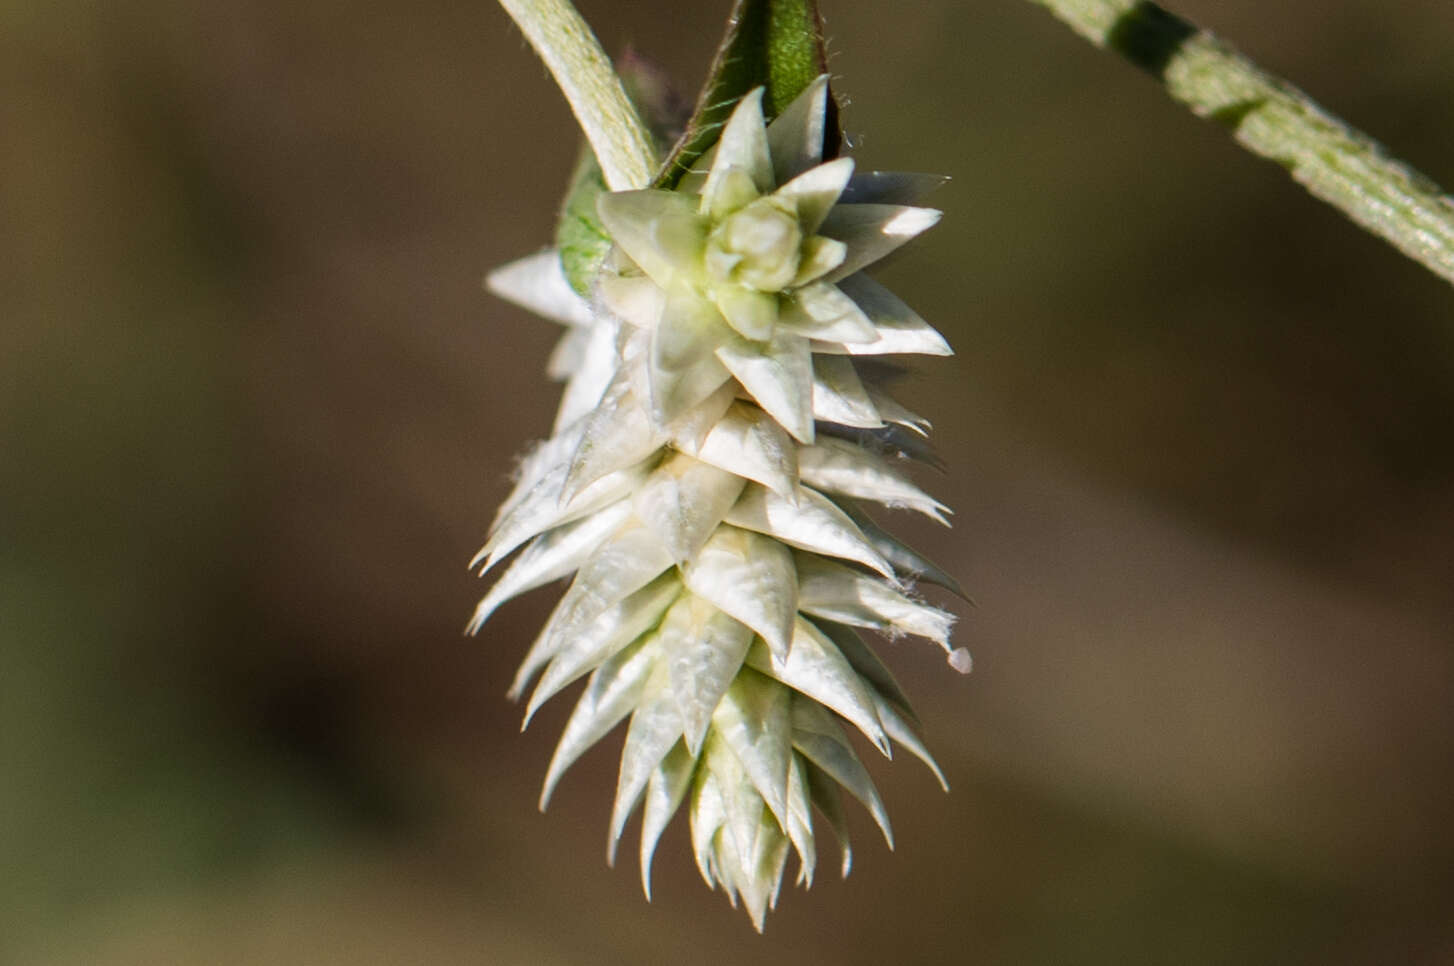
256	412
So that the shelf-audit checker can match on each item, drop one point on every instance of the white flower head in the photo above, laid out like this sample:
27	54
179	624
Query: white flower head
736	274
703	487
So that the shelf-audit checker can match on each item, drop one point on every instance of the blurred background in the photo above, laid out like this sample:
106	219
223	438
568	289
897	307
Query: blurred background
256	413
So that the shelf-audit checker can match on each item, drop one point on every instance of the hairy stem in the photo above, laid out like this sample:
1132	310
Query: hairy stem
564	41
1270	117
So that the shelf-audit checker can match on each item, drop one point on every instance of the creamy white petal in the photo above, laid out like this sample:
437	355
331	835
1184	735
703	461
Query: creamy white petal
796	136
764	873
538	477
708	813
774	847
750	577
542	509
743	146
750	443
664	793
542	649
840	336
742	810
901	732
635	368
613	692
868	665
621	566
800	820
873	231
900	329
815	667
655	229
837	466
814	192
752	313
535	467
748	834
589	375
753	720
617	435
683	367
683	500
779	376
820	256
655	728
551	556
537	283
822	312
635	299
575	643
839	396
822	742
631	559
592	642
704	648
688	430
733	190
837	593
567	352
808	522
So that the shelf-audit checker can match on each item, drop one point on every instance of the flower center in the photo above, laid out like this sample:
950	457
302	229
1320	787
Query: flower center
758	247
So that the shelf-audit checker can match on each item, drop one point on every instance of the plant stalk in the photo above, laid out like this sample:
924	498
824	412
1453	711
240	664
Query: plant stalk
574	56
1268	116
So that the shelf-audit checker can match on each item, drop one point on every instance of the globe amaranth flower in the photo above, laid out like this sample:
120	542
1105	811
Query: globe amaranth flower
703	485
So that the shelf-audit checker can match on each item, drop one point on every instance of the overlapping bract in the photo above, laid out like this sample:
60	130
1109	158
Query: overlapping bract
703	486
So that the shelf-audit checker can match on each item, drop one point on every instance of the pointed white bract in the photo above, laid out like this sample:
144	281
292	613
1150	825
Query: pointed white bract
701	485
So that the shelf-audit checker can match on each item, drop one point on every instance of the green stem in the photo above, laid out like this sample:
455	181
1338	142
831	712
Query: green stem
618	137
1270	117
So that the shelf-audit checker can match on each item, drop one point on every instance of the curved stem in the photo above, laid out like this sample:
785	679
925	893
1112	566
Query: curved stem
585	75
1271	118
